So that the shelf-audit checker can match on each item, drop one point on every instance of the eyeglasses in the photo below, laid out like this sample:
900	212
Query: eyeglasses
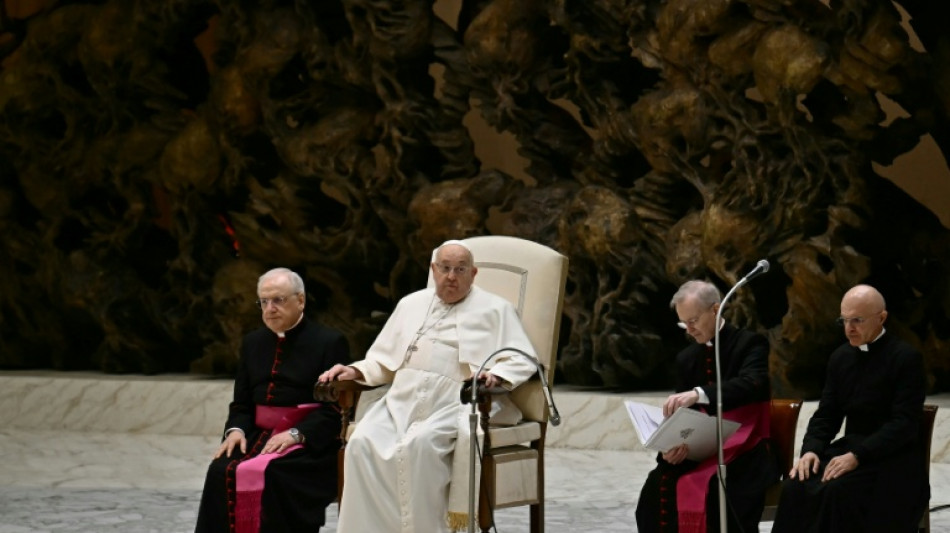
278	301
695	320
459	270
857	321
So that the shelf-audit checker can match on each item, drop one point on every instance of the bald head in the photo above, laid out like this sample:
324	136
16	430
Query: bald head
863	313
865	294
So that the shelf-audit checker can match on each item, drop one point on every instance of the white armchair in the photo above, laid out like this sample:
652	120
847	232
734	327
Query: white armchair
532	277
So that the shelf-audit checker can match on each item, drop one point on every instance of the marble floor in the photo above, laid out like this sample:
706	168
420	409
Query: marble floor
58	479
588	491
581	496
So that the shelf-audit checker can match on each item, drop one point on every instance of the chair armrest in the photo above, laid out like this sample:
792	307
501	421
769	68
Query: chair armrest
346	394
340	391
482	393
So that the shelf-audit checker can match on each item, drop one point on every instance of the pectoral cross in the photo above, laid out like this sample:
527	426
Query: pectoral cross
412	348
424	328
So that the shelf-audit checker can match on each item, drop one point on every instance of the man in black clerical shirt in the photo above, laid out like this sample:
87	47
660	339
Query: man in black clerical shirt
873	479
680	494
276	468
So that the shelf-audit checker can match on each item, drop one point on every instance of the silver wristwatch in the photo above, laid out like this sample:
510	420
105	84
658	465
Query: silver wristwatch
295	434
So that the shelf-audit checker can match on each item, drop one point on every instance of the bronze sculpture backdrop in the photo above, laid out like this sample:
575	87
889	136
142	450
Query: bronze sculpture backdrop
155	157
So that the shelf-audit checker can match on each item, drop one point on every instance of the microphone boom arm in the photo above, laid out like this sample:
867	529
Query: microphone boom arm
554	417
760	268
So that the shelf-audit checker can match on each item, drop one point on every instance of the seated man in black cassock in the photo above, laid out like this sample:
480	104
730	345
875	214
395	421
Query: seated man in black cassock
873	479
276	468
680	494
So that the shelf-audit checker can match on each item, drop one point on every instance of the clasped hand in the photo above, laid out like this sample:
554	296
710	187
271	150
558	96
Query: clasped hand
838	466
235	439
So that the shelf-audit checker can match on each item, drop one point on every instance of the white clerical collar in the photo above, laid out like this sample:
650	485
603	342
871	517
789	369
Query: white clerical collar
283	334
864	347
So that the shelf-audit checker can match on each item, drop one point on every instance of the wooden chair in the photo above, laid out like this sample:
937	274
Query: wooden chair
783	422
784	419
532	277
926	438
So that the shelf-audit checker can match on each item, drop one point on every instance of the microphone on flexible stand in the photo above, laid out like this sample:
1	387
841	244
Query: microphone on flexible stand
555	419
554	416
760	268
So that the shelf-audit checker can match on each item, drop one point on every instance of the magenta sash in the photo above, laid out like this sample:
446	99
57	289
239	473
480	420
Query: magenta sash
250	472
692	488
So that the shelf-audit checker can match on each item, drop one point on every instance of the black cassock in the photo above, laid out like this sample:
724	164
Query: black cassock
745	376
881	394
299	485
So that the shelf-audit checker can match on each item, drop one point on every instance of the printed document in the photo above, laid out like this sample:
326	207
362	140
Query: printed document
696	429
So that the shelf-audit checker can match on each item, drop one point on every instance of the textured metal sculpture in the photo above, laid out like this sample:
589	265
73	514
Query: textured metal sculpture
157	156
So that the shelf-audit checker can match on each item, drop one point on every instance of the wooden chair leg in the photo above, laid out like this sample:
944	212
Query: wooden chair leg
340	457
536	514
485	511
536	511
486	482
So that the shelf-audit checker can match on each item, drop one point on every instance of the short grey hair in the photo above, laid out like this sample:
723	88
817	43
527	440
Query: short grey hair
705	293
296	282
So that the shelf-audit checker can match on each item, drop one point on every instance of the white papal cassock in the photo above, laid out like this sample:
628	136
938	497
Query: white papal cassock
399	459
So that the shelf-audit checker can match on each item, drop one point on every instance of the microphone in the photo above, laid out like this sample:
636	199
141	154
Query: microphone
555	417
760	268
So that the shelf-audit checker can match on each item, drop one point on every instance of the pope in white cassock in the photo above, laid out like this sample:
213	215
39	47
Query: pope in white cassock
402	459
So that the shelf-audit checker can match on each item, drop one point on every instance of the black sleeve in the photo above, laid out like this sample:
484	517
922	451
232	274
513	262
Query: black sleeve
745	372
826	421
241	408
901	426
321	427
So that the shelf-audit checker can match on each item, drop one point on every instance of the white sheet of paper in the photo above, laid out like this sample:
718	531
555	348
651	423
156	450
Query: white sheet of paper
646	418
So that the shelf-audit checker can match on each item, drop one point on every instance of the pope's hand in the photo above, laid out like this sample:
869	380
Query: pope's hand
340	373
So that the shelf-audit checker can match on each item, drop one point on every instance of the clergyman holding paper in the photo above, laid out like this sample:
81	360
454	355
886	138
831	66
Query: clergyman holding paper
681	494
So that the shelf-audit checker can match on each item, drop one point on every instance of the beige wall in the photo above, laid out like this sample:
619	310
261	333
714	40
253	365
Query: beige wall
923	174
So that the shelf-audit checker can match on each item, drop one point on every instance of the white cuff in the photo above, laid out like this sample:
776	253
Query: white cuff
703	399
